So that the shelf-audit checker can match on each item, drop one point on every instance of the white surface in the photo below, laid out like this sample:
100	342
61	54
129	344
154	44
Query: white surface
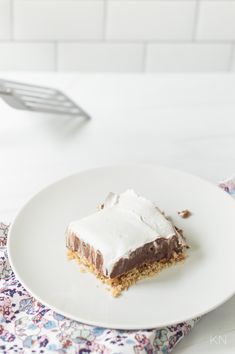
180	293
116	57
182	121
189	28
50	20
216	20
188	57
27	56
5	24
150	20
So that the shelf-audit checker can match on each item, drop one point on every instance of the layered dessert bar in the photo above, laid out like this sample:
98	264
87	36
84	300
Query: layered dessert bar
127	239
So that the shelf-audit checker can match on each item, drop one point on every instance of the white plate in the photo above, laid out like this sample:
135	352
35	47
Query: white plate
37	252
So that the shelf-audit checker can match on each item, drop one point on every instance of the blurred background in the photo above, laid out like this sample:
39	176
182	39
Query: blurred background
185	121
117	35
68	44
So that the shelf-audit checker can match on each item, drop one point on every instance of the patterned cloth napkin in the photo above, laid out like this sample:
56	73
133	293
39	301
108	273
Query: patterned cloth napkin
27	326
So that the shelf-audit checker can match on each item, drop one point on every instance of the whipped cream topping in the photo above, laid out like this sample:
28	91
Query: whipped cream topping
125	223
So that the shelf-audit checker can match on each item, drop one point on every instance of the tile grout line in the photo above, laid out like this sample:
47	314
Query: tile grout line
117	0
119	41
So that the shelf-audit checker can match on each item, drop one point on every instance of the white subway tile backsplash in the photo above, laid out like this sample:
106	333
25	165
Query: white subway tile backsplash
188	57
102	57
117	35
5	11
27	56
58	20
150	20
216	20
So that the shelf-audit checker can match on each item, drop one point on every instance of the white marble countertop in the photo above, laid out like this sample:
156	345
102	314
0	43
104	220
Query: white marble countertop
182	121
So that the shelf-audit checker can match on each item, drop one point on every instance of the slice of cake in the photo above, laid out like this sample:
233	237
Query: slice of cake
128	239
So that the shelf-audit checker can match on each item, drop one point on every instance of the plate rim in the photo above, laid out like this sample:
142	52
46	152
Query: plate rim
97	323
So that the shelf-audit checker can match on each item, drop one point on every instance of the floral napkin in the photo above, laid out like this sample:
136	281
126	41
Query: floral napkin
27	326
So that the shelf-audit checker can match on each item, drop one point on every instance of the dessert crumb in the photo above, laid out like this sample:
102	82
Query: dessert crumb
184	213
100	207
